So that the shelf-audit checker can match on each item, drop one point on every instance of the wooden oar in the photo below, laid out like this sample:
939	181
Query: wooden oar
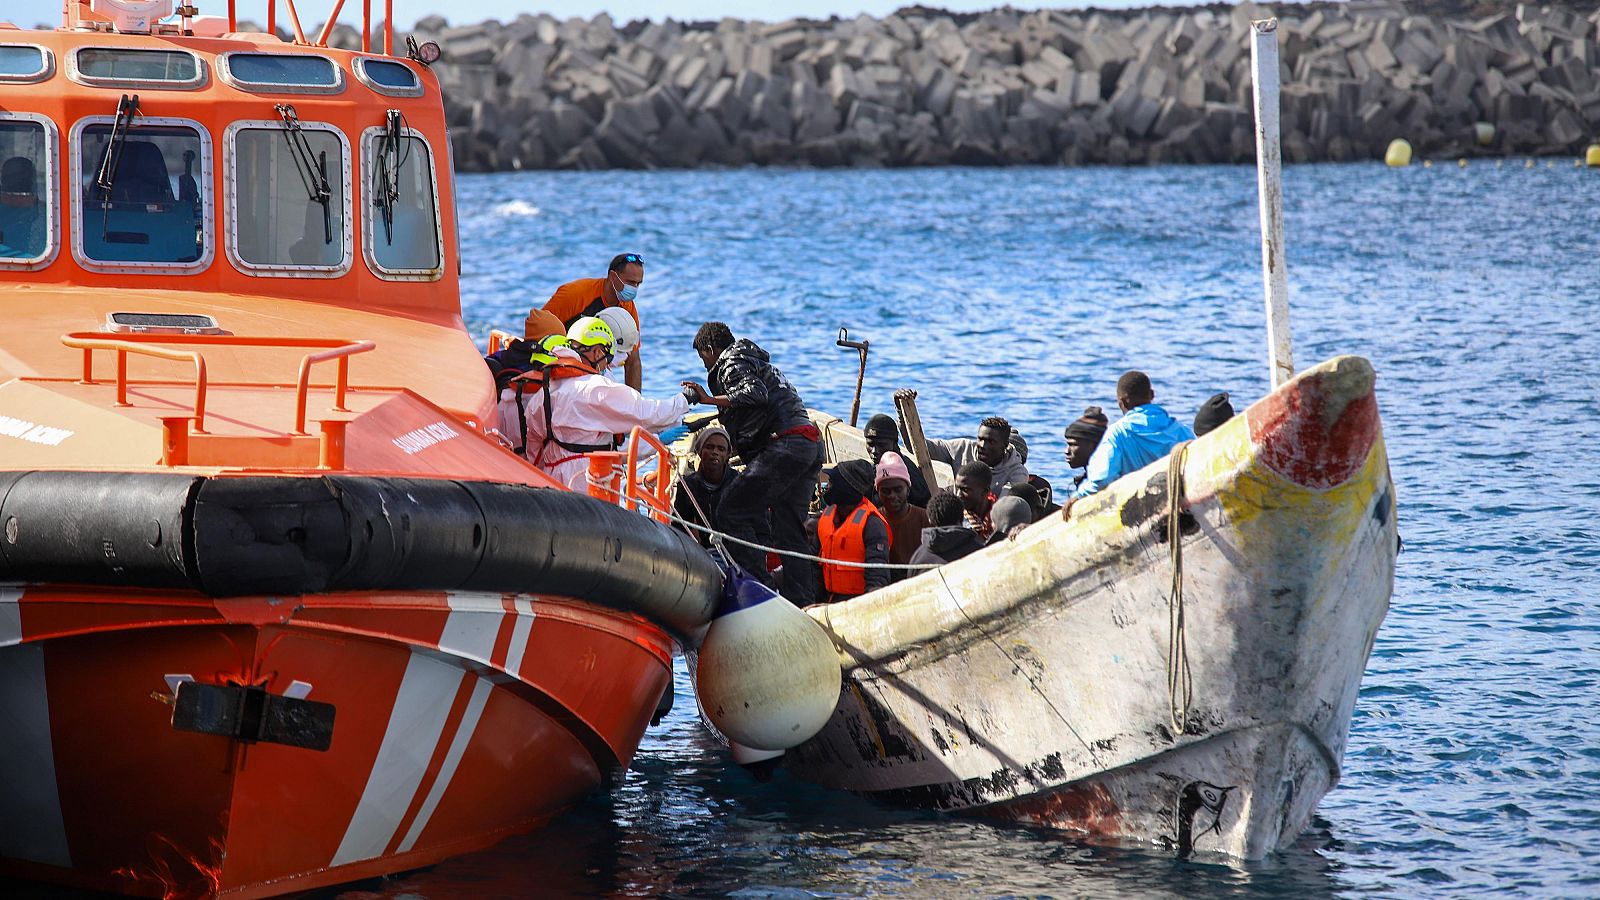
905	403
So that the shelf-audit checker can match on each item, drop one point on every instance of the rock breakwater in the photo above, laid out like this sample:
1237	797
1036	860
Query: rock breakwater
925	87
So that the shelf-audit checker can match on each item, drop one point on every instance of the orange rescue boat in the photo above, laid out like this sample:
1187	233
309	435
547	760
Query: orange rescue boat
277	607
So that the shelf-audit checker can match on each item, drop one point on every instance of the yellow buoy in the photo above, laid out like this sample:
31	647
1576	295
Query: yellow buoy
1398	156
1592	158
1462	162
1529	165
1427	164
1484	132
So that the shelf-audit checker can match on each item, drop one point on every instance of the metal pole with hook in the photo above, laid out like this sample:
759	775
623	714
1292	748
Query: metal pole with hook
861	374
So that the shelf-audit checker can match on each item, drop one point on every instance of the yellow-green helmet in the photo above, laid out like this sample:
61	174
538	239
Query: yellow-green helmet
591	331
545	348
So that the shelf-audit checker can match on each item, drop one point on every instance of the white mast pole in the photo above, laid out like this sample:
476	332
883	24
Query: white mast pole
1269	171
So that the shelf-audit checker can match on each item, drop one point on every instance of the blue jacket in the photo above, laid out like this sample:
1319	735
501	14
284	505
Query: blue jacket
1143	435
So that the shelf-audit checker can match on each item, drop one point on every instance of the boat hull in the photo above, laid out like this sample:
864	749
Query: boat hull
1030	682
458	719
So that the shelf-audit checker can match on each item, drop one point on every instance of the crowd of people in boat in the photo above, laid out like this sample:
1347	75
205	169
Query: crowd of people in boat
828	534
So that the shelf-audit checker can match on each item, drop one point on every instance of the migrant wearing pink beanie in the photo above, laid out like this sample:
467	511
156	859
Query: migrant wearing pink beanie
890	465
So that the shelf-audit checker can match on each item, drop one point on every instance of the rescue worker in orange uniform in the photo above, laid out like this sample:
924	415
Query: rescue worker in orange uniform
588	296
852	529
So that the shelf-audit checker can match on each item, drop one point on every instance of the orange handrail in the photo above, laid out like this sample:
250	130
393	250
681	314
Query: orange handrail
327	27
294	19
336	348
657	500
88	344
341	386
499	340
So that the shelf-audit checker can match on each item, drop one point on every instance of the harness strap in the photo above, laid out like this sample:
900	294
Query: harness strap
522	425
550	434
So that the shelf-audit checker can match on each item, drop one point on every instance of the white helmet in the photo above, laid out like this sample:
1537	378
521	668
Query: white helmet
622	328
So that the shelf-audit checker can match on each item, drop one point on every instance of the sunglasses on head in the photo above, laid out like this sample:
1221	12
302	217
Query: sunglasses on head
632	258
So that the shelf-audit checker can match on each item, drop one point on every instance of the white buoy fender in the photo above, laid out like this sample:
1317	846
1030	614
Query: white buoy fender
768	676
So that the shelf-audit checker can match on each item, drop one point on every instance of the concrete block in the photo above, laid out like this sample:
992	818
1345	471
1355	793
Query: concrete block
901	32
841	87
1192	91
723	102
1086	89
1567	130
768	115
1380	56
667	102
689	73
625	78
1418	53
1038	74
937	96
1054	59
815	116
786	39
562	125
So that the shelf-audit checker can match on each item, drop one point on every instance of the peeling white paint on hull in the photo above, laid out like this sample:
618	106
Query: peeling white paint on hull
1028	682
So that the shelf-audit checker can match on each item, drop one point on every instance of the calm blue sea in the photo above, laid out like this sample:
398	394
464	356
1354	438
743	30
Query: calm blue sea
1474	762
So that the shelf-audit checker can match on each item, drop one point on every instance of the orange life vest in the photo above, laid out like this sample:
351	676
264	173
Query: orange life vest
847	542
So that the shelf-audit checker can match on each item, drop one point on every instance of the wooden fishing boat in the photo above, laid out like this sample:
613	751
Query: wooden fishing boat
1058	679
277	609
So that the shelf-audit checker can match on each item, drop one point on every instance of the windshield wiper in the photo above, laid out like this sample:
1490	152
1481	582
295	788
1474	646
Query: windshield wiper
387	175
106	178
312	168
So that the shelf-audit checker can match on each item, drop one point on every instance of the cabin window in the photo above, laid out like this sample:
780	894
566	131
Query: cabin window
281	73
121	67
146	195
402	237
24	63
289	195
388	77
27	198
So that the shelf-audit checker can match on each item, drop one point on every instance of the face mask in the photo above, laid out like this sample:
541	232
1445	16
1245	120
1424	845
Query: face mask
627	292
831	495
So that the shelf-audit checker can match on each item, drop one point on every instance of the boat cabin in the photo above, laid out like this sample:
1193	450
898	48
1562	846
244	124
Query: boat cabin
186	178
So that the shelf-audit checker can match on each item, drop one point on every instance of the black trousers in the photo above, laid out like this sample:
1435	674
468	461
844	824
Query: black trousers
767	504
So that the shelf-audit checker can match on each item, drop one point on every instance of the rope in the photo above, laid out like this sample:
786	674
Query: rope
678	488
794	554
1180	687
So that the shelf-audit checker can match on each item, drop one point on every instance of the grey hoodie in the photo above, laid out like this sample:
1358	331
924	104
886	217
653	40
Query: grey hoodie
960	451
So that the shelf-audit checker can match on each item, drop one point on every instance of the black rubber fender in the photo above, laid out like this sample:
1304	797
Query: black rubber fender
231	536
95	528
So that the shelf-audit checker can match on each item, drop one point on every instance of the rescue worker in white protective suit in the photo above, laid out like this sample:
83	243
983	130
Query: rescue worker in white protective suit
577	409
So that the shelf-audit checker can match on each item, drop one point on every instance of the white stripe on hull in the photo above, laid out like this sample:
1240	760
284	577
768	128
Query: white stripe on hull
519	635
10	616
473	625
31	827
458	746
415	725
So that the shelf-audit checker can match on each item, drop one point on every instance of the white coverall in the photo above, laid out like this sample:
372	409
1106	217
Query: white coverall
588	409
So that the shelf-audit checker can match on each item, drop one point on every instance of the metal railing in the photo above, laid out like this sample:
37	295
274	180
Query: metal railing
147	345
